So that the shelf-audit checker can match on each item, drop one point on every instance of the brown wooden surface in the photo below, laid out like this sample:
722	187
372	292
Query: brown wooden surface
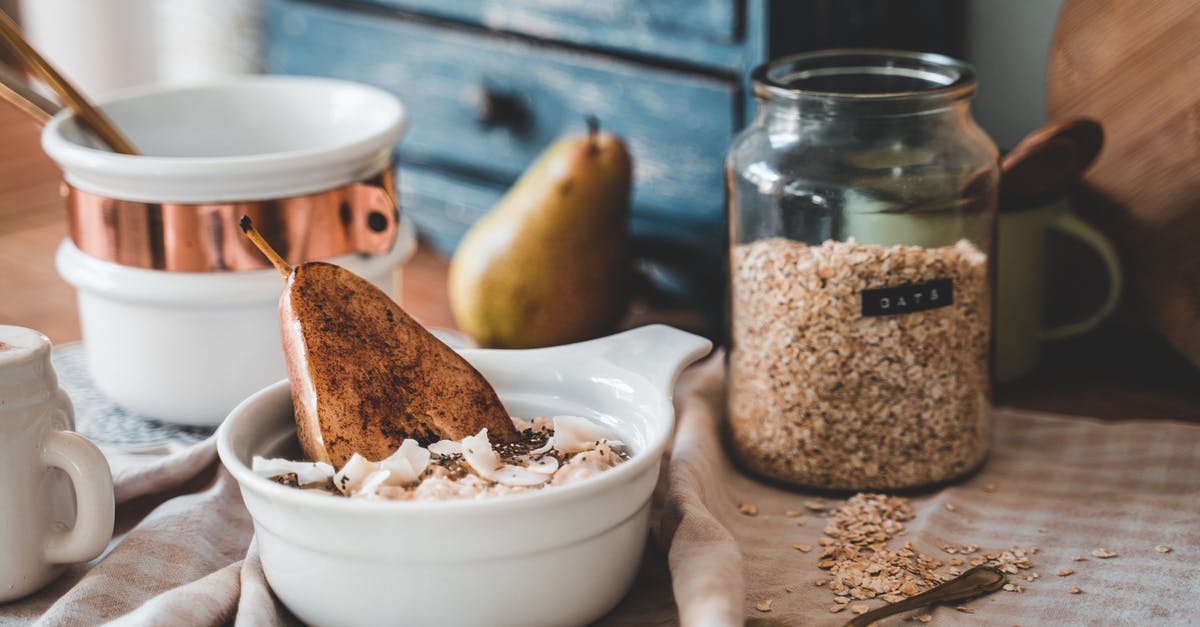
1118	373
1134	66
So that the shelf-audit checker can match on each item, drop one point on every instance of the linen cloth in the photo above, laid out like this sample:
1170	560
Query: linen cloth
184	552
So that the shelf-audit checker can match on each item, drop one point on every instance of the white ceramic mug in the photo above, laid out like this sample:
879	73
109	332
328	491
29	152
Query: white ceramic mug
44	524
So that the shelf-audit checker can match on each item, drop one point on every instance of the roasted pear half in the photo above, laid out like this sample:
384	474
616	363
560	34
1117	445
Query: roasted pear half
365	375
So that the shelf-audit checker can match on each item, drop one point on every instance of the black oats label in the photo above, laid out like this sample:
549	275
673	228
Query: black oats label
902	299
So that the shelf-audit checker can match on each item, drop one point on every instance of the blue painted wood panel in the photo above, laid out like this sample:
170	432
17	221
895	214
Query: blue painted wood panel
700	32
678	125
444	206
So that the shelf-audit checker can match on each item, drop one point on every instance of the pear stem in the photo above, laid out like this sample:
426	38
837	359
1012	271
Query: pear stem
593	128
256	237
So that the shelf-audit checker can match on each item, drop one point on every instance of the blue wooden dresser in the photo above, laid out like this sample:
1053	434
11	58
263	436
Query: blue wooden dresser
490	83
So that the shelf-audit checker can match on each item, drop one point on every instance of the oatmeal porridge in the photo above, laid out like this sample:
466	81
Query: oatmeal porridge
550	452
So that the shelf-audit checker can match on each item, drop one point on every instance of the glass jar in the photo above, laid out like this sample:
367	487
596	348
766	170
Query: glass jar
861	206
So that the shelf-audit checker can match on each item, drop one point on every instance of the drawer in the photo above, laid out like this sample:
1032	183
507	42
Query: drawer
704	32
677	124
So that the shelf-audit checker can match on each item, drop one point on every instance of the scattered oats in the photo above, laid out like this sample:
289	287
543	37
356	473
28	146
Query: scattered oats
964	609
1103	553
815	505
1010	587
924	618
837	608
1079	558
860	608
748	509
1074	590
789	589
862	565
791	513
1065	572
951	507
989	487
1033	549
803	548
820	582
1162	548
1043	530
763	605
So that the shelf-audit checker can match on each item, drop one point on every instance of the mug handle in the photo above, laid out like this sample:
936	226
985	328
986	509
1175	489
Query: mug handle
92	478
1071	225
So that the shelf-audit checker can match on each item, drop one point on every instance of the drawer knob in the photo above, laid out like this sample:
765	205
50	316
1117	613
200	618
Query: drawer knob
495	108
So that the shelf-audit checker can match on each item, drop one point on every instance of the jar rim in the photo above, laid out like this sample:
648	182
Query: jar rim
904	76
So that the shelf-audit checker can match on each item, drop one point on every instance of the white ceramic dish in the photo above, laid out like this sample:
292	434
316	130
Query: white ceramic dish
559	556
238	139
186	347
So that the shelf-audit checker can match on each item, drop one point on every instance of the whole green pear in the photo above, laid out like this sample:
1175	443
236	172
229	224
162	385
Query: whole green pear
550	263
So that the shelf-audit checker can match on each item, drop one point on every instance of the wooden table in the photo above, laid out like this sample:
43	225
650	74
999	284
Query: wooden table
1122	372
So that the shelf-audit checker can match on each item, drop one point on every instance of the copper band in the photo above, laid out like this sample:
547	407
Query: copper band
360	217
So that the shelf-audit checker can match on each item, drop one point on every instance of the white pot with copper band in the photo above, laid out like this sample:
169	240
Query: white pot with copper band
177	308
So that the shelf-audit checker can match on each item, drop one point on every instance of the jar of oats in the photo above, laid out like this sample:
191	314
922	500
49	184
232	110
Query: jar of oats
861	205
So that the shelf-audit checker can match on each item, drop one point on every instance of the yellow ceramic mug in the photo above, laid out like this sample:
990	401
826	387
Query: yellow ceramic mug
1020	283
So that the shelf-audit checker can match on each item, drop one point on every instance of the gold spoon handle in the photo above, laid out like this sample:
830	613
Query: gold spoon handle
974	582
14	89
97	121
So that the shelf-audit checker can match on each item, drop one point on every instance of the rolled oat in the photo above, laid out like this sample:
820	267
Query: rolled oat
823	395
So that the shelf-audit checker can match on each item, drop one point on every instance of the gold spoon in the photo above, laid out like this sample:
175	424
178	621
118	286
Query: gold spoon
974	582
99	123
14	89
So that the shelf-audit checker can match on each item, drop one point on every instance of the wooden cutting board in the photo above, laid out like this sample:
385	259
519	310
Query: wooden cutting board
1134	66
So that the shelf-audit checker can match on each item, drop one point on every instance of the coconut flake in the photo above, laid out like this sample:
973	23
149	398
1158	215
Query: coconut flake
478	453
371	484
573	434
406	464
545	465
350	478
446	447
545	448
306	472
511	475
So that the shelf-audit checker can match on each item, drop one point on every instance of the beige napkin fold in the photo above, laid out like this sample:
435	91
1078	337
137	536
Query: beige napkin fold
184	553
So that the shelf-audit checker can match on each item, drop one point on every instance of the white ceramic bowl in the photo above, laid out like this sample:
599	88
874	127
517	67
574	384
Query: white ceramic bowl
246	138
559	556
186	347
